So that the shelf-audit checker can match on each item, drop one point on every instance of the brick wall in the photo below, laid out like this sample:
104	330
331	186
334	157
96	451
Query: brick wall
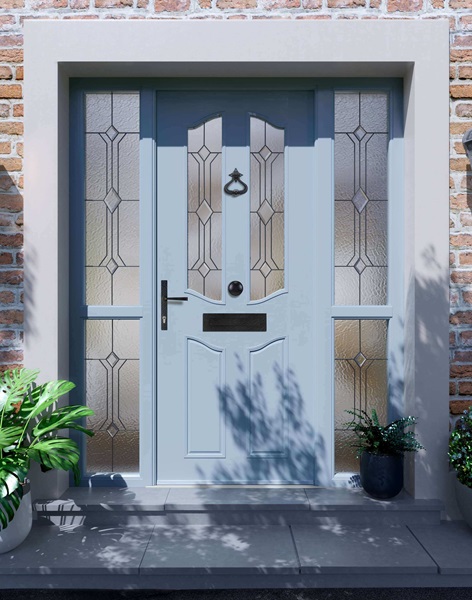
14	12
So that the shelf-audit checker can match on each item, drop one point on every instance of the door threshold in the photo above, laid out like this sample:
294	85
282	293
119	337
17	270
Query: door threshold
234	486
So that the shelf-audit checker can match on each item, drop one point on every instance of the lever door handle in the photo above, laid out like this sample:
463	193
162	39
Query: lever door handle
164	299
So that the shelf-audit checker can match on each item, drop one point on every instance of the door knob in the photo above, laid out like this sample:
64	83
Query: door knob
164	299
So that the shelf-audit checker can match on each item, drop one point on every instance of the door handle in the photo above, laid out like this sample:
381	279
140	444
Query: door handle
164	299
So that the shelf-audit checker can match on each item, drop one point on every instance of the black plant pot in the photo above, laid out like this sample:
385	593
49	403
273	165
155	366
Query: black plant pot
381	475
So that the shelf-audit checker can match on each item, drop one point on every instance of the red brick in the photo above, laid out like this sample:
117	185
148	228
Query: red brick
8	4
8	41
18	110
10	164
467	297
465	72
466	219
437	3
462	317
19	73
461	371
11	91
466	182
4	111
465	388
452	388
465	22
458	128
459	202
7	297
465	258
461	276
461	239
14	240
13	277
459	148
452	259
9	356
460	4
21	182
466	338
461	91
10	367
404	5
11	128
19	149
459	164
11	56
5	73
6	258
464	110
6	181
452	339
6	20
463	356
462	40
5	147
19	221
11	317
241	4
6	336
345	3
452	72
457	407
270	4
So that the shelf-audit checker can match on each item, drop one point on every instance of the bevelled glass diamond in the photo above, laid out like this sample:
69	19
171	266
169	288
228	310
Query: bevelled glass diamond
204	269
112	200
112	132
265	212
265	269
360	266
204	152
265	152
360	359
360	200
112	430
112	359
111	266
204	212
360	133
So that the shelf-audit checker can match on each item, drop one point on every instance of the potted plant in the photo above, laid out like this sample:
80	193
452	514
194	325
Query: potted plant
460	456
29	426
381	449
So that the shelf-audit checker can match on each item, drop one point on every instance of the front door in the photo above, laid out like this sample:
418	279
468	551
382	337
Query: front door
235	197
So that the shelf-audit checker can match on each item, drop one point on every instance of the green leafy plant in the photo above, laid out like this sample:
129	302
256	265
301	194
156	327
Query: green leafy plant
29	426
391	439
460	448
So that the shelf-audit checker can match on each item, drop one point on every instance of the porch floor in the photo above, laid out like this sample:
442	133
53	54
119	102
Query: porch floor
238	538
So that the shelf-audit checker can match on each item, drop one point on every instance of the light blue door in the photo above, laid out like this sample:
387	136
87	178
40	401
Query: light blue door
235	361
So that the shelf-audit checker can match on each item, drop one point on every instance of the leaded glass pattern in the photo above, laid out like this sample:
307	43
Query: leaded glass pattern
112	391
204	208
267	208
360	173
360	371
112	198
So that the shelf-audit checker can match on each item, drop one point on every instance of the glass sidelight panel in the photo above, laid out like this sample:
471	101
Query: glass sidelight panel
204	208
360	173
360	359
267	208
112	391
112	198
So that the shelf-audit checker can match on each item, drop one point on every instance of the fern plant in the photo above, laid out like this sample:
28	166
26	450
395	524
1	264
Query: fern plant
29	426
391	439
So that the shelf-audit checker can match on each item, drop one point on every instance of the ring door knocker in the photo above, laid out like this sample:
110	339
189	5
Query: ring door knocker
235	178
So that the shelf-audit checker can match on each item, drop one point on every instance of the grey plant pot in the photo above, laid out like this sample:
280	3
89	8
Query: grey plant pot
381	475
464	501
19	528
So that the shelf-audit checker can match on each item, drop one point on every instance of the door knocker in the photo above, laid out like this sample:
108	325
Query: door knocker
235	178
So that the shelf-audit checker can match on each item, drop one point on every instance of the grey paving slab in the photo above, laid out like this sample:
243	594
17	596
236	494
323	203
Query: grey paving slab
200	549
78	550
357	500
109	499
204	499
449	544
338	548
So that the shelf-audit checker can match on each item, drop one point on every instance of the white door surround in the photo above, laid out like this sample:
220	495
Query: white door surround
251	49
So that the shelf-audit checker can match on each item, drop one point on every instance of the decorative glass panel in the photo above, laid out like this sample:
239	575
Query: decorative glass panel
360	349
267	208
360	176
112	198
204	208
112	391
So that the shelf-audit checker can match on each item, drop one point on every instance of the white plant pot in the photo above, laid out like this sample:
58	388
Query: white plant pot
19	528
464	501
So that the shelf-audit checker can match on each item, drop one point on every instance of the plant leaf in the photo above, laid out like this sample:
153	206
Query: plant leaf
49	393
14	385
62	418
9	435
13	472
55	453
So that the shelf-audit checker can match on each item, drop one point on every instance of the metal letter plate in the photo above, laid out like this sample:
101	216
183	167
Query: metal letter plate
235	322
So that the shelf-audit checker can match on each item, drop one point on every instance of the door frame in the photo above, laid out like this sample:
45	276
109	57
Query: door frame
154	48
147	313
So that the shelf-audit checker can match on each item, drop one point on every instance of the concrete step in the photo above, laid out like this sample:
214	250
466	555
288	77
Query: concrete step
223	556
234	506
